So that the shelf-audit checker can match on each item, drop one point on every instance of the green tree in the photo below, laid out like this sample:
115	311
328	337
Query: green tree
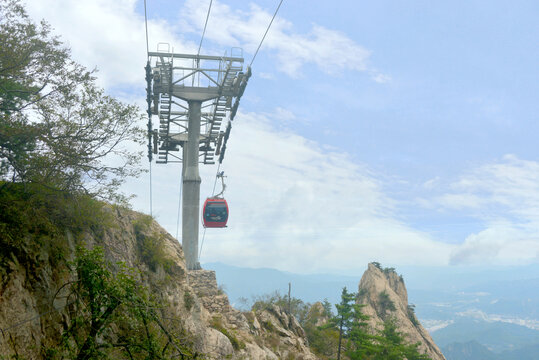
344	316
111	315
385	304
354	339
32	62
323	340
57	128
361	343
346	321
393	346
327	308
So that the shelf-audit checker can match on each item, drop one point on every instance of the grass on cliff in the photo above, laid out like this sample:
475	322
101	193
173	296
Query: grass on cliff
151	245
39	223
109	313
36	223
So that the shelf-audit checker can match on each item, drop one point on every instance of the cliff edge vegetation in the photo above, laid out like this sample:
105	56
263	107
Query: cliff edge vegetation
82	279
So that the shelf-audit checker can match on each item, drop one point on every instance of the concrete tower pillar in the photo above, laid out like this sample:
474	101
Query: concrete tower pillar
191	189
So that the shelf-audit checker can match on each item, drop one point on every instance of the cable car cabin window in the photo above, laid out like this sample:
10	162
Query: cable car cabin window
216	212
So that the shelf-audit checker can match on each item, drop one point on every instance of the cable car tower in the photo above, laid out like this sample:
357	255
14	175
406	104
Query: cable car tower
192	95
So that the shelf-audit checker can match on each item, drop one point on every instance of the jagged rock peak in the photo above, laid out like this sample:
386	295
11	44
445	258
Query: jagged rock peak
384	295
383	280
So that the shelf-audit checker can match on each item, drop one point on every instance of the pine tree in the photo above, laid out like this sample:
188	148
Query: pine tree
363	344
352	326
344	317
393	346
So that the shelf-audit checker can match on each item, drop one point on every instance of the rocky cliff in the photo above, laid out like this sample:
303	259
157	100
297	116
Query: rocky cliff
384	295
37	249
33	314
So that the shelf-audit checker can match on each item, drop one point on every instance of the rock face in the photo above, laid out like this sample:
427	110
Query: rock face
33	311
384	295
267	334
32	318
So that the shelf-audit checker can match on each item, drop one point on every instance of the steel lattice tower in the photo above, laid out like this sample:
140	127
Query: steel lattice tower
192	95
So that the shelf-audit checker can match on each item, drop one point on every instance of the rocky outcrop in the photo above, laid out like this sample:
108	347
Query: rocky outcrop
384	295
33	316
267	334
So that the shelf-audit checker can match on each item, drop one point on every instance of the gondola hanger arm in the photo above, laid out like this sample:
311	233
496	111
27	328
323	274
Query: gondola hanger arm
222	176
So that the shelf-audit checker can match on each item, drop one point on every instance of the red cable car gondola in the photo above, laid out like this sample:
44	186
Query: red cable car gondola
215	213
215	210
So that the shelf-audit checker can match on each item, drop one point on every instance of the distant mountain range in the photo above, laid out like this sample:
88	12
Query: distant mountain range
247	283
438	292
472	350
495	336
477	312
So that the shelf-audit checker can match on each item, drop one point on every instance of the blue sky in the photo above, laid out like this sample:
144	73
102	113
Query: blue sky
401	132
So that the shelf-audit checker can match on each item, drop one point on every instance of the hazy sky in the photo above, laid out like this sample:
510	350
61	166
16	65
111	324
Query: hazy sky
398	132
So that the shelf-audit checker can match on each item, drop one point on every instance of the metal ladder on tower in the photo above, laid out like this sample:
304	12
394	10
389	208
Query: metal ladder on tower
165	104
220	106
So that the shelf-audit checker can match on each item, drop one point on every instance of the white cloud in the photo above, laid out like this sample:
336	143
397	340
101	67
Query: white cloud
499	244
109	35
284	114
330	50
505	196
460	201
431	183
267	76
380	78
507	187
297	206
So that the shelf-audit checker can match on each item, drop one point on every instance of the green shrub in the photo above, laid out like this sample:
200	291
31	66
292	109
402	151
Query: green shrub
411	314
188	300
152	246
114	316
385	303
268	326
362	293
295	307
35	220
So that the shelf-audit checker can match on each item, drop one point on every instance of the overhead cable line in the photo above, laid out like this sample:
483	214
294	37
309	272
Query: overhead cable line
151	204
216	177
198	53
261	41
146	24
202	244
242	88
149	101
212	194
229	126
179	206
248	75
205	25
